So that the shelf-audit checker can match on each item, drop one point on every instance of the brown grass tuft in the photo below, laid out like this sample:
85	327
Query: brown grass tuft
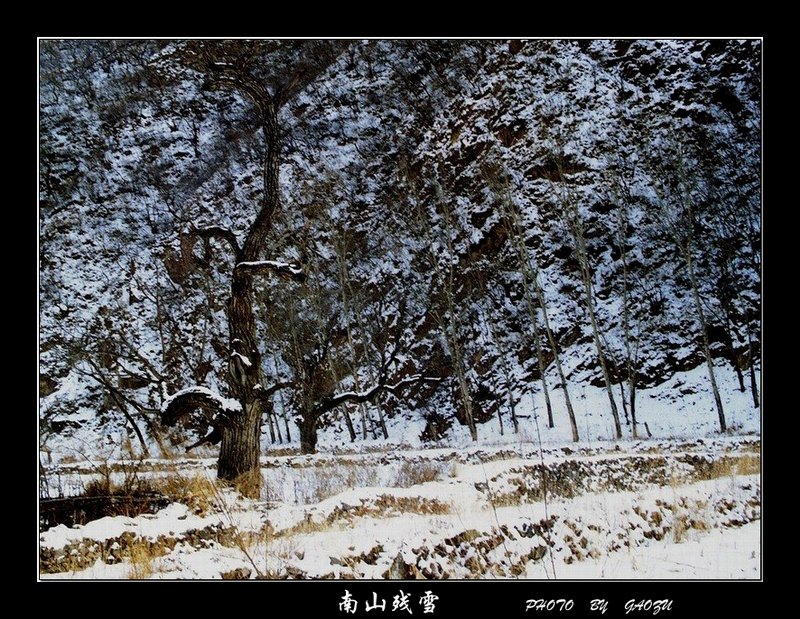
141	554
249	484
197	492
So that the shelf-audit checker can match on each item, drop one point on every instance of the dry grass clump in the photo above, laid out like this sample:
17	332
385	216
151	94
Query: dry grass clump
724	466
412	473
197	491
141	555
390	504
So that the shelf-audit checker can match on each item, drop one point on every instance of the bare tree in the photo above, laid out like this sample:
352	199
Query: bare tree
312	355
268	74
535	299
733	232
503	357
575	225
448	317
620	191
677	191
350	308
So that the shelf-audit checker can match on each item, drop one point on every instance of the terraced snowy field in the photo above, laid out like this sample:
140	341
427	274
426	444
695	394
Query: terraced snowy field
648	509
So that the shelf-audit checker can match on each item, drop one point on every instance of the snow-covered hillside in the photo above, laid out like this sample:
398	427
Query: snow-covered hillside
430	190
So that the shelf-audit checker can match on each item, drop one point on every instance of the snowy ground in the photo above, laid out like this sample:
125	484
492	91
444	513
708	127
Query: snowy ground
684	503
651	510
681	407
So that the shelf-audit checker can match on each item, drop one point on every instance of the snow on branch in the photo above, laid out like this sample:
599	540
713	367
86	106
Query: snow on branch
244	359
270	266
185	401
218	410
370	394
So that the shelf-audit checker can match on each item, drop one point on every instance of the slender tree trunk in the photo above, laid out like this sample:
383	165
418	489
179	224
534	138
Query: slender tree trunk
626	322
539	354
575	225
600	356
344	287
632	369
461	376
583	259
632	390
754	386
738	370
511	407
510	394
732	357
500	419
455	343
363	422
557	357
530	277
449	323
624	403
284	416
458	358
527	277
382	421
506	376
271	427
681	218
462	383
701	316
349	423
277	425
286	422
347	419
753	382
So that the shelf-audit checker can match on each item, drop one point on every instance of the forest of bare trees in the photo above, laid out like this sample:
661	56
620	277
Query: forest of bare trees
246	242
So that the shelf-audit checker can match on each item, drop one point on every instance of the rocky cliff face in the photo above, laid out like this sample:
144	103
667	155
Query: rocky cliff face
430	190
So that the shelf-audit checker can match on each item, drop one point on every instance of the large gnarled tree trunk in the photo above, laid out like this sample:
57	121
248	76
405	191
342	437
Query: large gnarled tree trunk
238	429
240	447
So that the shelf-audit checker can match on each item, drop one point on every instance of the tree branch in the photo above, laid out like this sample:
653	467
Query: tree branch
186	401
119	400
258	267
222	73
217	232
369	395
213	437
269	392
